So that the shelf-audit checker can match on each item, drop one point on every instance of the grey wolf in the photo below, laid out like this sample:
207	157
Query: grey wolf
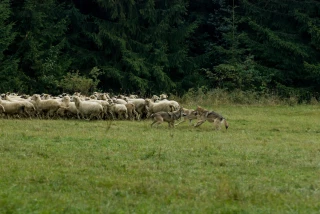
210	116
168	117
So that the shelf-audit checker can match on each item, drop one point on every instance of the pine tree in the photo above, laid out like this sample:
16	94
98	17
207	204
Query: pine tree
40	43
9	76
138	45
284	37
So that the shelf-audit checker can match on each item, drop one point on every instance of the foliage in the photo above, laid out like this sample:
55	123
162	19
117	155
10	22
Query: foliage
74	82
148	47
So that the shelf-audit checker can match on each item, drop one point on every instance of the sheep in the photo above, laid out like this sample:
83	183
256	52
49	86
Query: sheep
155	98
118	111
157	107
64	106
174	103
2	110
45	96
169	117
70	111
163	96
133	96
103	96
29	110
105	105
50	106
119	101
87	108
132	113
12	108
189	114
140	106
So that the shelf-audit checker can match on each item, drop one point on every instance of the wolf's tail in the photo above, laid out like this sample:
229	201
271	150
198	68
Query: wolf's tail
226	124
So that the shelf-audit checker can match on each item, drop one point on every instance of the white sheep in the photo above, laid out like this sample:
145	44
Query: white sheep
2	110
174	103
119	101
71	111
12	108
103	96
29	110
132	113
157	107
45	106
118	111
140	106
88	108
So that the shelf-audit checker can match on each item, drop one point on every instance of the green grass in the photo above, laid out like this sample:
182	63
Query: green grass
268	161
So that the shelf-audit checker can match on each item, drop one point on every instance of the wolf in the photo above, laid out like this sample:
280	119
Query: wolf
210	116
189	114
169	117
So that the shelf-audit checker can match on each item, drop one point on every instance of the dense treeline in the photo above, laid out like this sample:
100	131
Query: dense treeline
152	46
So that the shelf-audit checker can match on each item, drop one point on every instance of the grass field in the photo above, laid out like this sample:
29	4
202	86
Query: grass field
268	161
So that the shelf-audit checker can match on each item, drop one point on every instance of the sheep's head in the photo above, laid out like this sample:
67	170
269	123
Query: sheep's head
163	96
147	102
66	99
36	97
155	98
77	94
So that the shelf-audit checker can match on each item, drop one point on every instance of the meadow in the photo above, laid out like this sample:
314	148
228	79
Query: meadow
268	161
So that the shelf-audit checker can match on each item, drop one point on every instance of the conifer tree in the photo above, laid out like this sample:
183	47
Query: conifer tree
9	76
284	37
40	43
138	45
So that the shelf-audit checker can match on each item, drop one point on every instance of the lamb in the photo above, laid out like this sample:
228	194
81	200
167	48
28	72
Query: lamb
50	106
87	108
157	107
189	114
169	117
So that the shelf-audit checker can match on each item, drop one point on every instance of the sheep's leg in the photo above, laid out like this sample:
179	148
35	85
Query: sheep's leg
136	115
78	114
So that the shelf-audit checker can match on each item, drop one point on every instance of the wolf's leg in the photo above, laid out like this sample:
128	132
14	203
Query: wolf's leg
217	124
184	120
199	123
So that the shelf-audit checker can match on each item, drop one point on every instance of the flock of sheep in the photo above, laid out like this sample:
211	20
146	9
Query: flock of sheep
97	106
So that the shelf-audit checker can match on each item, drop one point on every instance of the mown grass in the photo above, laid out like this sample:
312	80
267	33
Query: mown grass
268	161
